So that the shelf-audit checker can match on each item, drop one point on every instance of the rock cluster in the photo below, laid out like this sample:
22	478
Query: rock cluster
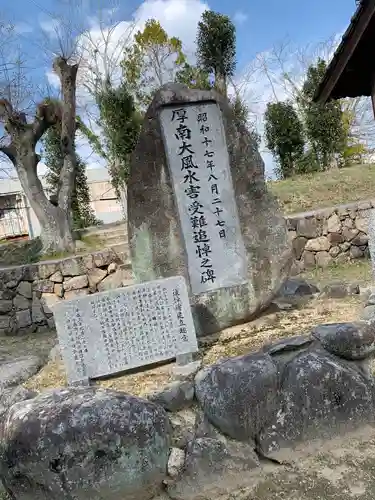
330	235
195	438
27	293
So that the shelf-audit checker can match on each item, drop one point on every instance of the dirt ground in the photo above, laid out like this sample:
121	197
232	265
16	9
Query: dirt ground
230	342
338	469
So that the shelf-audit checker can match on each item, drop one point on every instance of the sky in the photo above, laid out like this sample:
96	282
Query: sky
260	26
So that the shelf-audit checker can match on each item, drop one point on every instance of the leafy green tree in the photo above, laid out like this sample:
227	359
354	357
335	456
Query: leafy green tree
216	47
120	124
194	77
83	215
324	125
284	137
152	60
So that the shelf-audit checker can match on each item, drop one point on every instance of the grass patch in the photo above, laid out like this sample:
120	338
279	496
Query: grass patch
325	189
358	271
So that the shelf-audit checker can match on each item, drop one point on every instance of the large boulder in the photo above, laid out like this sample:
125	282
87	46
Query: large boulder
320	397
352	341
261	256
86	444
239	395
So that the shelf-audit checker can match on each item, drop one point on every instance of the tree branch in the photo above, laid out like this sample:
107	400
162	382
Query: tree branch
10	152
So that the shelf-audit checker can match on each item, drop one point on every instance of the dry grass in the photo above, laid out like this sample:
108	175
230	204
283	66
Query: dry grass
230	342
325	189
358	271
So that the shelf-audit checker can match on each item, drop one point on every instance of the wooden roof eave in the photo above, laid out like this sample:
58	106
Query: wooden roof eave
345	50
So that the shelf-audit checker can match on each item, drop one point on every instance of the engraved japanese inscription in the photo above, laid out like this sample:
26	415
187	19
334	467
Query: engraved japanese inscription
199	164
112	331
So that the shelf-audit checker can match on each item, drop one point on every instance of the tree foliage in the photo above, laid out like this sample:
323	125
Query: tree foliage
121	124
216	47
83	215
194	77
324	124
284	137
152	60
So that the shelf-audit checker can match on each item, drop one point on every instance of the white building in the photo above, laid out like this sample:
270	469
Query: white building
18	219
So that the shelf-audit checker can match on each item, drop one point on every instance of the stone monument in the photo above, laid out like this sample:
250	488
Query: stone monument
198	207
109	332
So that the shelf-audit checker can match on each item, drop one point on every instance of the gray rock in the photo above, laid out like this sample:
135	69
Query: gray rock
289	344
57	277
175	396
176	462
183	372
336	290
309	228
299	244
25	289
297	286
95	276
37	314
5	306
239	395
72	267
18	370
211	467
182	427
76	283
115	280
85	444
104	258
23	318
73	294
368	313
20	302
46	269
320	396
44	286
10	396
351	341
155	237
323	259
355	252
320	244
308	259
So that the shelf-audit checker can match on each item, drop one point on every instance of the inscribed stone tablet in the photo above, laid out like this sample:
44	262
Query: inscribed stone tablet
199	163
112	331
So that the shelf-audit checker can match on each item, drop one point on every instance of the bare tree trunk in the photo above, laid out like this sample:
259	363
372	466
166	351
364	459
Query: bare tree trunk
68	78
56	232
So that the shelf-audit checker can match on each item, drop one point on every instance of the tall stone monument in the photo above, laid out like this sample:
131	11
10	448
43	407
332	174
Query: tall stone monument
198	207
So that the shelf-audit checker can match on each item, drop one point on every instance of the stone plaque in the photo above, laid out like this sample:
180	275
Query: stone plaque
199	164
112	331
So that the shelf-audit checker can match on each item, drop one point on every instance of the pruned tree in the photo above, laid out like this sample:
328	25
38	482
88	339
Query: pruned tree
82	213
216	47
152	60
22	132
19	146
284	138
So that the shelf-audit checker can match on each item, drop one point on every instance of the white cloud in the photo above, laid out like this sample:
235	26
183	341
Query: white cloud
240	17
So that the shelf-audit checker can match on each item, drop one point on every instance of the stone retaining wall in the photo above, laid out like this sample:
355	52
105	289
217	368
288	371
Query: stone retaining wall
27	293
335	234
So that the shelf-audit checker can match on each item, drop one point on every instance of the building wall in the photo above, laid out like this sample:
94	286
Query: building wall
103	201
